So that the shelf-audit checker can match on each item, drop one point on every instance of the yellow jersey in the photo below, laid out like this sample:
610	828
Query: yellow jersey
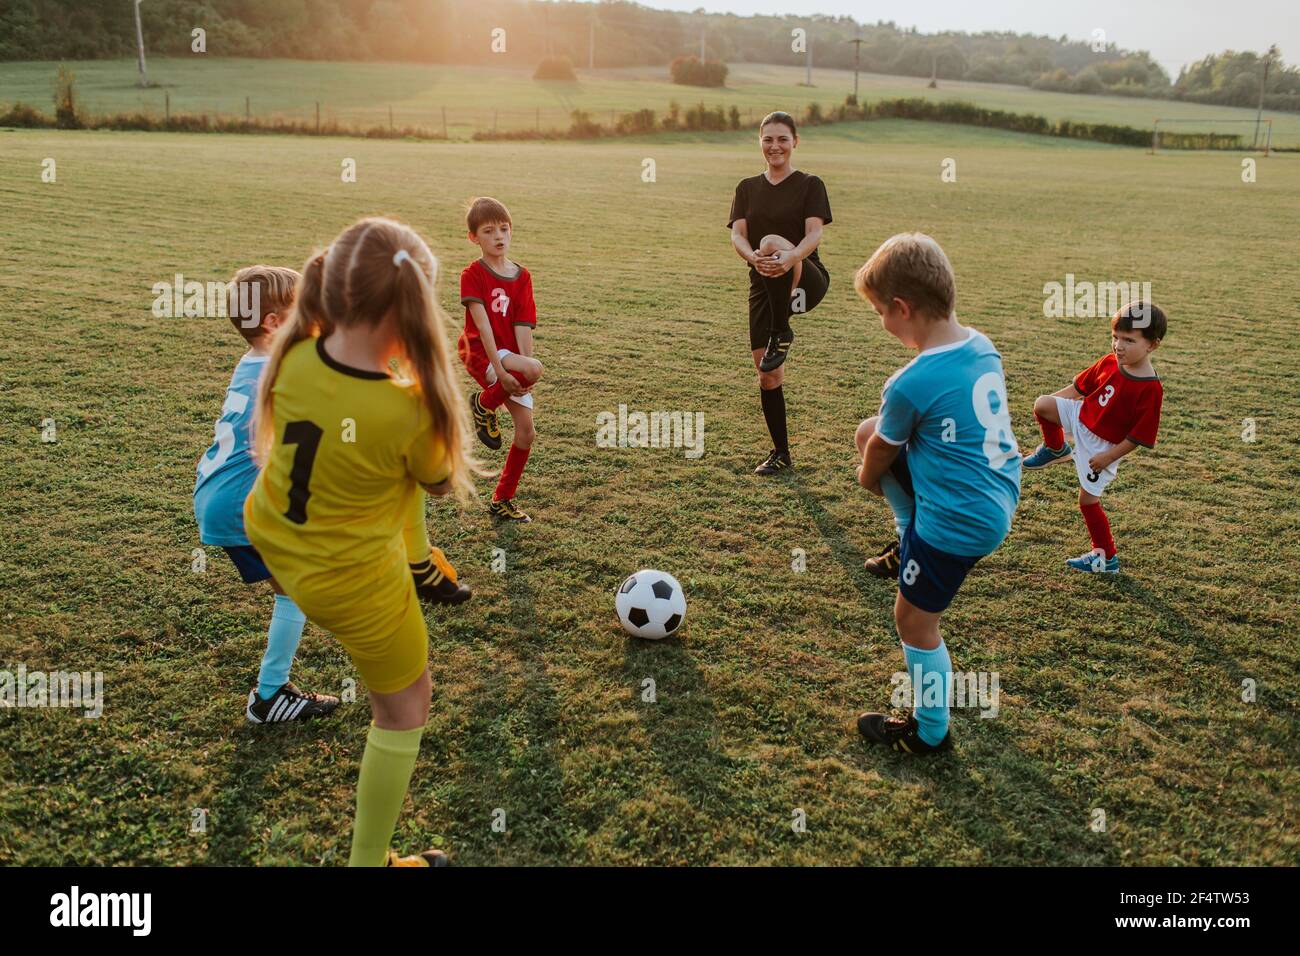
350	448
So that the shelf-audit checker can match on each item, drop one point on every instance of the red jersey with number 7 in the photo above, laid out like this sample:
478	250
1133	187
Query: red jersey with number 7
1118	405
508	302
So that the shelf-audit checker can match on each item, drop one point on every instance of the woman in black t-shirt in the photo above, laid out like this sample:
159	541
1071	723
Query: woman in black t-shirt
785	210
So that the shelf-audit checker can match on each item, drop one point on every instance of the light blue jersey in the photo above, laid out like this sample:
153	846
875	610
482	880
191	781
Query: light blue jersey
949	407
226	470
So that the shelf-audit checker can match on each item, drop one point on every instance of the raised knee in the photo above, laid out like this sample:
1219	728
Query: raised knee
864	433
1044	403
535	369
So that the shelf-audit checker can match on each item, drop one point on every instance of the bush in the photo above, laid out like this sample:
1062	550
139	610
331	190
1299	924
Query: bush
689	71
582	126
641	121
65	100
22	115
555	68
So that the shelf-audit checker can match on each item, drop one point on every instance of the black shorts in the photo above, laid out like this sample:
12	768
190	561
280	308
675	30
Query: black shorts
814	281
250	564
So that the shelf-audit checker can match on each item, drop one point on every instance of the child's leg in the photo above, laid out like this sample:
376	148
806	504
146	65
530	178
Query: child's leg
898	493
520	446
282	638
928	668
1094	516
527	370
1049	421
392	745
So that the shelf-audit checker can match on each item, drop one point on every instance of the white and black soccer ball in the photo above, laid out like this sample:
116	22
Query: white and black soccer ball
651	604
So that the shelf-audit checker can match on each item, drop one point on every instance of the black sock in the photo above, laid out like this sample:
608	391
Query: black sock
779	301
774	411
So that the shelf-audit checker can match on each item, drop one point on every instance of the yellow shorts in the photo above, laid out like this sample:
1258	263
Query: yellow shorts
372	610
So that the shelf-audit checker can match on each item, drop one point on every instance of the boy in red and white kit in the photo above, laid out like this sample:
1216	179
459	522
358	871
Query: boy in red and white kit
497	345
1111	408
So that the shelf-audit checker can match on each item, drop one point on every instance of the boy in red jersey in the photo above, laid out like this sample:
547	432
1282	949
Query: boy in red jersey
1111	408
497	345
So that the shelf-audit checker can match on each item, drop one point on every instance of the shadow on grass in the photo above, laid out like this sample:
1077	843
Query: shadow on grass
514	727
1001	798
1200	646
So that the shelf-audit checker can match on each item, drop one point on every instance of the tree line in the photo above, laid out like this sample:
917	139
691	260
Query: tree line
617	33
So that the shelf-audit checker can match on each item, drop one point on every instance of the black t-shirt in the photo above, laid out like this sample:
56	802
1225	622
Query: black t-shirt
780	209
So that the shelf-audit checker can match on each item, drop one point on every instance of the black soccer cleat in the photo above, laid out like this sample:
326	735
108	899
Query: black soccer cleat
778	348
486	427
776	461
885	564
435	581
288	703
901	732
507	510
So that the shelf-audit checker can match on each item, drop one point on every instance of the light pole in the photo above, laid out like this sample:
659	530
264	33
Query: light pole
139	39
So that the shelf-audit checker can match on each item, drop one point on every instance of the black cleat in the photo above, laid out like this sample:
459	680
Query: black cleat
507	510
485	423
899	732
778	348
435	581
885	564
776	461
288	703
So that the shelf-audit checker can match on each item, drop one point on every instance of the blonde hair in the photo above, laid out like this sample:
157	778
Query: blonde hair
275	293
913	267
357	281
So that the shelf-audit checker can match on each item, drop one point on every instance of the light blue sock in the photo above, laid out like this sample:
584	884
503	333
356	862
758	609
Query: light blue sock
902	504
933	720
281	644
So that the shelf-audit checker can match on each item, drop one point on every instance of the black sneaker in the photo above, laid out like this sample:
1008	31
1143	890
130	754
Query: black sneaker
288	703
885	564
485	423
507	510
435	581
901	732
778	347
773	463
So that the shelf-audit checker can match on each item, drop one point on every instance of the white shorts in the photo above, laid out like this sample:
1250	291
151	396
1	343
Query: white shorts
1086	444
491	376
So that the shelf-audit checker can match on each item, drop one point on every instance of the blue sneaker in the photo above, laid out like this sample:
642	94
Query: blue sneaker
1044	456
1094	562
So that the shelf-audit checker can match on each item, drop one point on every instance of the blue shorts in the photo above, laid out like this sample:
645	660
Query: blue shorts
927	577
250	564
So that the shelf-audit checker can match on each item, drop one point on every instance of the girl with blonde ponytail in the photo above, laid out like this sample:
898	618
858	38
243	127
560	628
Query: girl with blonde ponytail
357	417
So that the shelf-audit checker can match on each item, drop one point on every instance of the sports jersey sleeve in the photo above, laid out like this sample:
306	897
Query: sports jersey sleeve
1147	423
471	286
816	202
739	205
898	416
1088	381
526	314
426	458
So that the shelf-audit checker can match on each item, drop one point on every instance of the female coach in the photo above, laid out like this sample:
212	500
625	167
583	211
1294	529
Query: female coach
787	209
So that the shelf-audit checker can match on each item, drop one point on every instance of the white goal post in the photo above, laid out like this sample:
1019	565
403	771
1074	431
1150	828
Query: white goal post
1261	131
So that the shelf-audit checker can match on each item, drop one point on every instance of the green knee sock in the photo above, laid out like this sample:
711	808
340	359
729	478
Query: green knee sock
386	768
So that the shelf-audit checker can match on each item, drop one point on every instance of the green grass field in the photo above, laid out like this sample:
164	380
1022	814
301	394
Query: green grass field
477	98
1123	694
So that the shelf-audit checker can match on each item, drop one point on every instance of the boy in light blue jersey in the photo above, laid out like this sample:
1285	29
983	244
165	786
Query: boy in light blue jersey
942	453
225	476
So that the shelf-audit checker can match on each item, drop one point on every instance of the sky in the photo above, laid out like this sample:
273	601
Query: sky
1176	32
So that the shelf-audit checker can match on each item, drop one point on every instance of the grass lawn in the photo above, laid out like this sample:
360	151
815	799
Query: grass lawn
1122	694
477	98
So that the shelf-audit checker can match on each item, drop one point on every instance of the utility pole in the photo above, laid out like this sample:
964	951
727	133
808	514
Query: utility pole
1263	83
591	44
702	29
808	62
857	53
139	40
